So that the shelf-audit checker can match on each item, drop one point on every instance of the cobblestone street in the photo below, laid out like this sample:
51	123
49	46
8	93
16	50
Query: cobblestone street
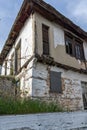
47	121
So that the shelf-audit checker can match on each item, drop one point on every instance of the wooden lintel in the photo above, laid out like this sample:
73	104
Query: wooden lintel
50	61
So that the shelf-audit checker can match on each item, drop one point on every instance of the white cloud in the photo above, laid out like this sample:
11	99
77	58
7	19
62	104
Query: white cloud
78	10
8	12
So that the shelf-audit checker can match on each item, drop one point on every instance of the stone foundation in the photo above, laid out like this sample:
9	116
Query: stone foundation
71	96
35	83
8	87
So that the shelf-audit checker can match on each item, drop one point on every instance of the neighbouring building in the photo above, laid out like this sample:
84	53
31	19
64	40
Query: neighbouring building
48	54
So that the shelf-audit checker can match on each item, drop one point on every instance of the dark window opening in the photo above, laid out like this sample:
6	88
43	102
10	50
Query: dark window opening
17	87
5	67
79	51
45	37
18	58
69	47
74	47
84	94
55	82
12	65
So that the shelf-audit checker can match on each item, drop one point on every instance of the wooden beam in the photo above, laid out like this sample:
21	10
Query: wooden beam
50	61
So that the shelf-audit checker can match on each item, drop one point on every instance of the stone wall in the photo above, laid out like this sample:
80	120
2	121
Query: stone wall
71	96
35	83
8	86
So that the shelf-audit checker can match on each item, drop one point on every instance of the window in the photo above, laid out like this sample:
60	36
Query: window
18	57
12	65
0	69
69	46
55	82
74	46
79	50
45	37
5	67
84	93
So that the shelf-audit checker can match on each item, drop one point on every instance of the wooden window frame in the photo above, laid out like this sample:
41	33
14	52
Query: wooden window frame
12	65
75	42
69	43
18	58
5	67
45	39
79	55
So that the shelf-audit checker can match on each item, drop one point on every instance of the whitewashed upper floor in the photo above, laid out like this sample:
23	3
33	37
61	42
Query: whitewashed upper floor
45	37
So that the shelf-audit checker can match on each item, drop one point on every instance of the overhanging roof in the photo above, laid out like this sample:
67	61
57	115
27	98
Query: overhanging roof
45	10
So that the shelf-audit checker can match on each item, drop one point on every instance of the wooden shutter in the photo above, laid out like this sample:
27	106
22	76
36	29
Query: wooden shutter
69	44
55	82
79	53
18	57
5	67
15	61
12	65
45	36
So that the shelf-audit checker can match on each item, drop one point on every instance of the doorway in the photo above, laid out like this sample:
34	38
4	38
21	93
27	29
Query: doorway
84	93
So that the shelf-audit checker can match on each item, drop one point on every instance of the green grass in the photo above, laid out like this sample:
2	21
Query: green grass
11	106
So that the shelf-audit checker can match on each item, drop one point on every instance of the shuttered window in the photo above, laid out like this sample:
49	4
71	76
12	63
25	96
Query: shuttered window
74	46
55	82
12	65
79	50
69	45
45	38
18	58
5	67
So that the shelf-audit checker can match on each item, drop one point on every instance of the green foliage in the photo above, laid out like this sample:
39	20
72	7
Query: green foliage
26	106
8	77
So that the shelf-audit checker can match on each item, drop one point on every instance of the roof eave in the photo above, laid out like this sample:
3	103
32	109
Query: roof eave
53	15
45	10
22	16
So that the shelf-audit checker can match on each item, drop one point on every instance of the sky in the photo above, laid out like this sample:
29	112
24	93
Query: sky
75	10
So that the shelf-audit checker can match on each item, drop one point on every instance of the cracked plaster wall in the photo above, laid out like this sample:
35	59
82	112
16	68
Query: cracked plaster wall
71	97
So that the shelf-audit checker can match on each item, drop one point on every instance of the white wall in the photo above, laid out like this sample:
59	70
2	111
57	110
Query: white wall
58	36
27	44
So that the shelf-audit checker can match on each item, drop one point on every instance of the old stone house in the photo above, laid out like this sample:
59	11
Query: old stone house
48	53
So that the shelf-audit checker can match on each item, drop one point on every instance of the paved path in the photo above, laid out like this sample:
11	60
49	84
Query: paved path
49	121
